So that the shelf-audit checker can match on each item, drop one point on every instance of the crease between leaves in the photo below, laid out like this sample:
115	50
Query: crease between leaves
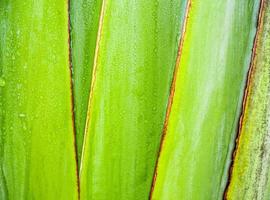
172	90
93	80
182	125
72	98
246	94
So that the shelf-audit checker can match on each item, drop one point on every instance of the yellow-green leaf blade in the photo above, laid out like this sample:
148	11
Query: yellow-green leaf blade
207	100
84	17
37	155
136	55
250	172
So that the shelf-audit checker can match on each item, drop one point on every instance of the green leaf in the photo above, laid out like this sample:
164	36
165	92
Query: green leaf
207	100
250	173
84	18
135	58
37	155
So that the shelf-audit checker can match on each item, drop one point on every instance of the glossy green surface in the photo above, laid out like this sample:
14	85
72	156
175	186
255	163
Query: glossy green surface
136	56
37	155
251	169
84	18
207	101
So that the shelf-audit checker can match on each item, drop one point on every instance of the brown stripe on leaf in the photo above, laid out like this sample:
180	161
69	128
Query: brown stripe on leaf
93	78
170	100
72	99
246	93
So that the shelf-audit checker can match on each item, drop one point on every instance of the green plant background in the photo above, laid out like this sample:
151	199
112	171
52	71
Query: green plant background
134	99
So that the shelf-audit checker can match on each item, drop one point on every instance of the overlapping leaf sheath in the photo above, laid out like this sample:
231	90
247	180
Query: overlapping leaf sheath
84	16
207	100
37	156
250	173
135	58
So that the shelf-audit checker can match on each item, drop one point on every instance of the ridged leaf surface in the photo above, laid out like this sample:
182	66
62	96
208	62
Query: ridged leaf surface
207	100
135	59
250	173
37	155
84	18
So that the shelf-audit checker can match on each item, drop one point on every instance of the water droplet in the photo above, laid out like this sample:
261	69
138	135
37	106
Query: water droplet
22	115
2	82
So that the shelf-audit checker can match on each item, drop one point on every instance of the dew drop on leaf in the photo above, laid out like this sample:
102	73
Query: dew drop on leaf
2	82
22	115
